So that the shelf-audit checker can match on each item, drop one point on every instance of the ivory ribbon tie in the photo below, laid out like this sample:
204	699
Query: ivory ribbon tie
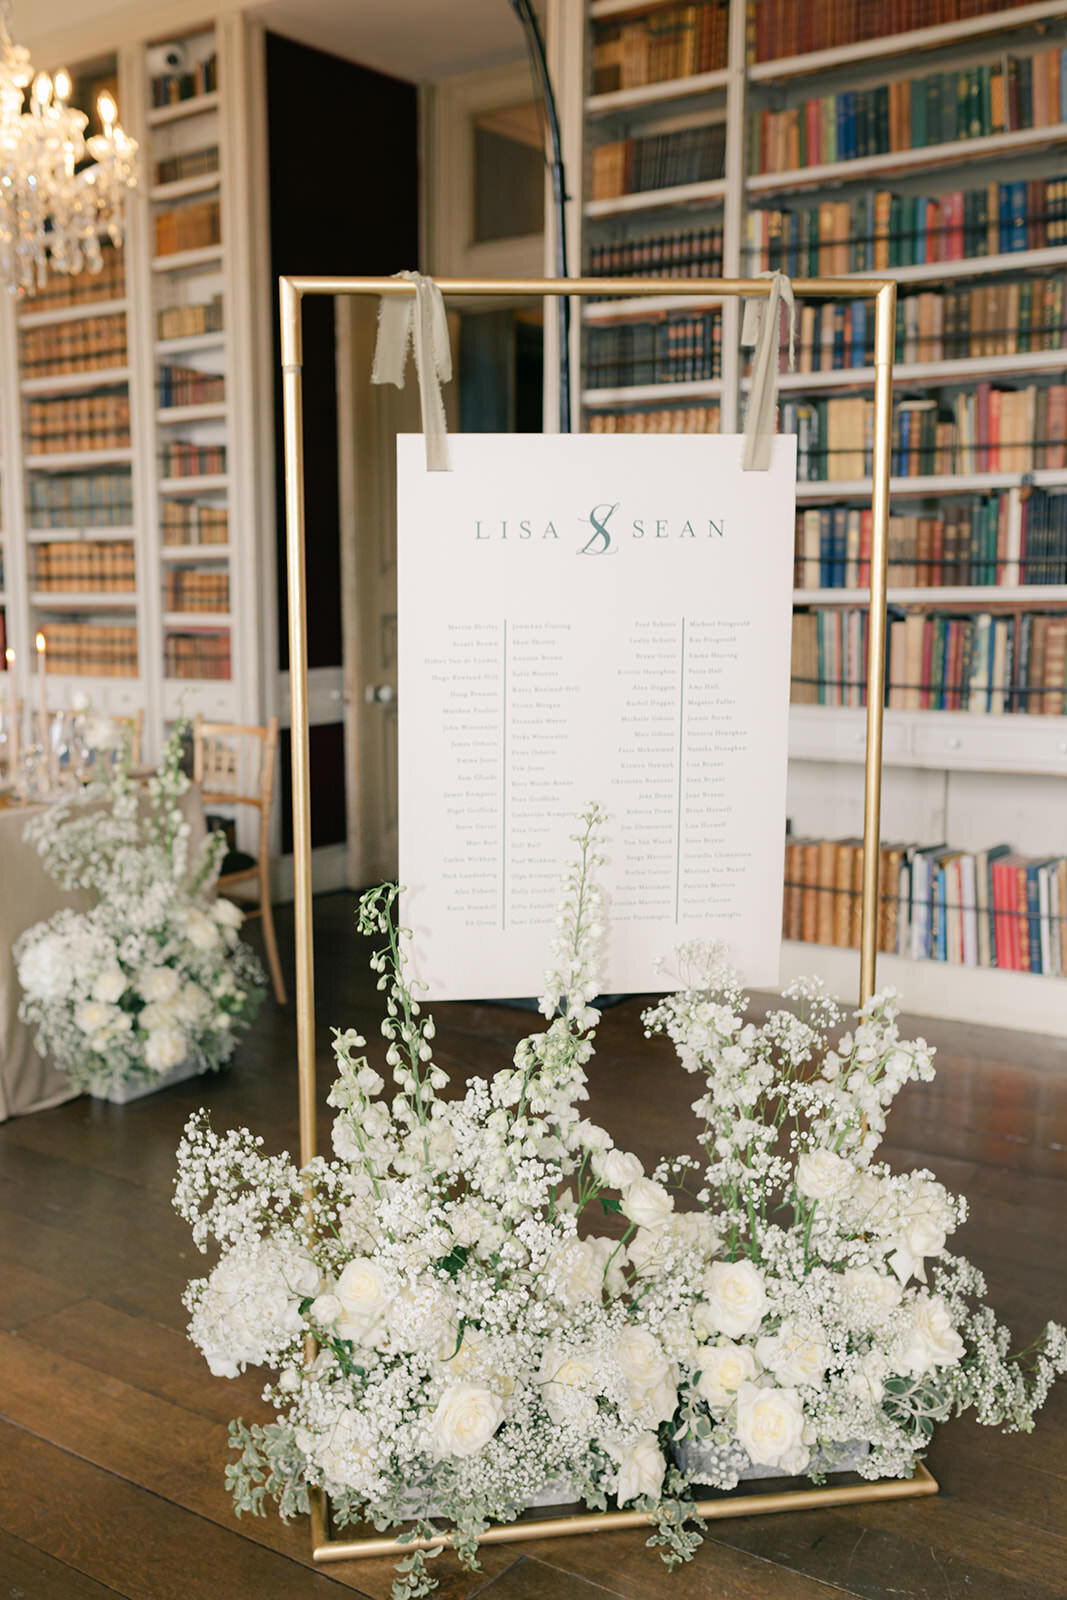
419	318
761	330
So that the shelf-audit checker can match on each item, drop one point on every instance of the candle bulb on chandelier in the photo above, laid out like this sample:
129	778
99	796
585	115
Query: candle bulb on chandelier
42	91
42	690
62	86
107	110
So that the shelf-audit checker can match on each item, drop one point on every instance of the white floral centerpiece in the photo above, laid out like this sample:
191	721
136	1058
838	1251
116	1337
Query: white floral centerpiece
153	974
451	1336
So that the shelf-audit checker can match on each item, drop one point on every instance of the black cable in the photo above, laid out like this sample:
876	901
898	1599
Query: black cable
535	45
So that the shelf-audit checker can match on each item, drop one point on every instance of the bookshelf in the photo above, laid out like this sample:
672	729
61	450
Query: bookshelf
136	465
961	195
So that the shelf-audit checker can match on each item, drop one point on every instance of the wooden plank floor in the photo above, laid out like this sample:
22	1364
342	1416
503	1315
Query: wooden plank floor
112	1431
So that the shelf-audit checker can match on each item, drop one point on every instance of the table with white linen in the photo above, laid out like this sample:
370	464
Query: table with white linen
28	895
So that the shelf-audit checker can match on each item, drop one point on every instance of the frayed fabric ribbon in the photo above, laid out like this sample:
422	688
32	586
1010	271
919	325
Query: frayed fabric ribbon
761	329
419	317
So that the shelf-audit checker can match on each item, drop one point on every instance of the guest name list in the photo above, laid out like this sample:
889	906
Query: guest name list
592	618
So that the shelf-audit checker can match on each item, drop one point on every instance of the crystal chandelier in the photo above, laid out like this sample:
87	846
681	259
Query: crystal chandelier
55	210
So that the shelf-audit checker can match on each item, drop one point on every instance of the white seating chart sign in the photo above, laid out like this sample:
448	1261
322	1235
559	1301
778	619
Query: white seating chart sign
592	618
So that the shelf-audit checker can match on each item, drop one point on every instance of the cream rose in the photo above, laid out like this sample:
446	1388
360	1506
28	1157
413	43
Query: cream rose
795	1355
821	1175
770	1427
362	1291
723	1369
165	1048
227	914
109	986
735	1296
159	984
932	1340
577	1272
92	1016
640	1469
646	1204
566	1378
201	930
466	1418
617	1169
872	1294
641	1359
920	1237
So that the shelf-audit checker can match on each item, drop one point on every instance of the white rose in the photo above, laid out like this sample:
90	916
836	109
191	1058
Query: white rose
873	1295
325	1310
221	1364
617	1169
466	1418
577	1272
103	733
770	1426
932	1341
109	986
91	1016
640	1469
79	702
566	1378
821	1175
611	1258
641	1359
159	1014
646	1204
648	1249
795	1355
165	1048
921	1236
867	1382
660	1401
227	914
735	1296
723	1369
591	1137
201	930
364	1298
158	984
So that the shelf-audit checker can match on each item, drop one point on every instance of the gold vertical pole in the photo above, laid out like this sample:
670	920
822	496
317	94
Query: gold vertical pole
884	335
293	416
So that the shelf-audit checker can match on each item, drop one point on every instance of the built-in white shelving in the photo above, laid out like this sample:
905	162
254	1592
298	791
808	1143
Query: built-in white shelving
945	771
72	382
197	106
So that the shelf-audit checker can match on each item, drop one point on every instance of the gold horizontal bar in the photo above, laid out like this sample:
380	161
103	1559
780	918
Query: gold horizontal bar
822	288
748	1505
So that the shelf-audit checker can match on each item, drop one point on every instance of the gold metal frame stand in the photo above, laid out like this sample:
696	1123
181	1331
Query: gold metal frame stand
293	291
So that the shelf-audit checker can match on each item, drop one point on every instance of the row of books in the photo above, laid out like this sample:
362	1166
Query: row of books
98	421
91	649
80	499
1027	91
674	349
658	161
985	908
783	28
984	430
84	345
179	458
186	522
190	227
188	589
188	164
661	419
184	322
983	662
879	229
189	386
998	540
197	653
61	290
993	319
674	41
171	88
691	253
85	566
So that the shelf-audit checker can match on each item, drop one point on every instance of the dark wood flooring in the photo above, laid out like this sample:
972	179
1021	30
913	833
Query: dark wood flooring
113	1433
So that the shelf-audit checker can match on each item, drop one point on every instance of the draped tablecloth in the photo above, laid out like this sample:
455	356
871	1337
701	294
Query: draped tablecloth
29	1082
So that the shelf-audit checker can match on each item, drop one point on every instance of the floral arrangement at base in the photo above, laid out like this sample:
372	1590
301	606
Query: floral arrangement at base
153	974
451	1336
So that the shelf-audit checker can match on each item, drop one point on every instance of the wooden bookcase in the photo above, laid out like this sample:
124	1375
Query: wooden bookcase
971	779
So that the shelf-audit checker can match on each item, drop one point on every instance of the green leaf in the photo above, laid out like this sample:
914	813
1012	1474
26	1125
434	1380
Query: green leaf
610	1206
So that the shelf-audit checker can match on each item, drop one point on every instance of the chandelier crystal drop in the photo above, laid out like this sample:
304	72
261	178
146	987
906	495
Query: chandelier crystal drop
55	210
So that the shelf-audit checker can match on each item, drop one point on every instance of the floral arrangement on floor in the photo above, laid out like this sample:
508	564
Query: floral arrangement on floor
153	973
479	1346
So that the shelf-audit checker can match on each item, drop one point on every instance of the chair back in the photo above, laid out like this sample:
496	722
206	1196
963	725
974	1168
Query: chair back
133	731
234	765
